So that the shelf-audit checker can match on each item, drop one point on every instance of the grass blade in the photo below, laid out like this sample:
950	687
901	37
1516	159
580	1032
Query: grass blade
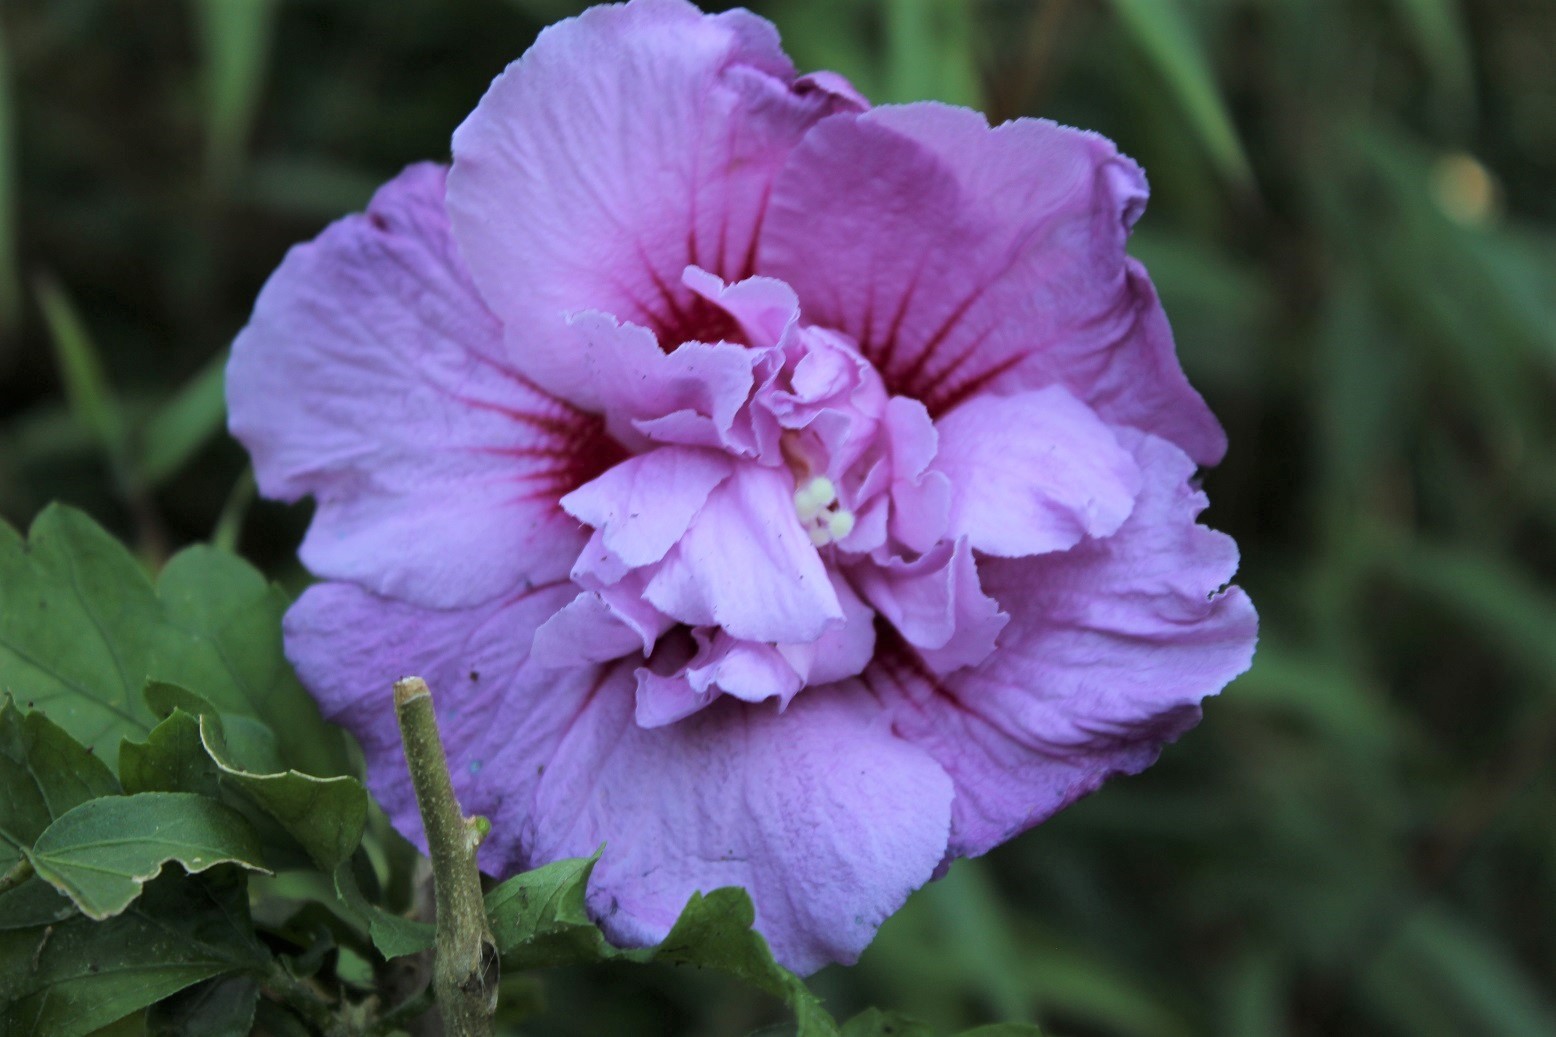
1437	30
86	385
10	272
929	53
235	42
184	424
1162	31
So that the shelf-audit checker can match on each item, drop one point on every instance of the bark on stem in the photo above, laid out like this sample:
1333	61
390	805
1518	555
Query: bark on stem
465	971
19	873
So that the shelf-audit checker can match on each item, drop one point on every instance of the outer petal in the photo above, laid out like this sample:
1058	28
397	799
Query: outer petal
826	818
1034	472
372	377
627	144
1110	648
501	715
970	260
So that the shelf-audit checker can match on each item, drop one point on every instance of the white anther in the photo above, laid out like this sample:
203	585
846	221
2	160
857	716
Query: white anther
820	537
839	524
811	499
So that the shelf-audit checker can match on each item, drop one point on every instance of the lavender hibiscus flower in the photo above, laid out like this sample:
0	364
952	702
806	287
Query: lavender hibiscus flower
784	493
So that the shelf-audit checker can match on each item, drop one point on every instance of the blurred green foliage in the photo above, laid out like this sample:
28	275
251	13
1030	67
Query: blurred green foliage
1354	231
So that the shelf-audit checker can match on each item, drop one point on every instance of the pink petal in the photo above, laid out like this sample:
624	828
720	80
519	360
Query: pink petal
618	371
753	671
1033	473
762	307
1110	648
826	818
844	650
722	665
644	505
589	630
920	499
747	565
372	377
937	604
629	143
748	670
500	714
967	260
664	699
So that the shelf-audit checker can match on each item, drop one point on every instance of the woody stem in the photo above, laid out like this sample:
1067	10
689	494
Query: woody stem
465	971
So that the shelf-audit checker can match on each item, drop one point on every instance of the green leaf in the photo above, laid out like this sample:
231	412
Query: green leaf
81	630
394	935
278	1021
714	931
185	423
102	852
1419	246
233	615
1484	979
248	739
539	919
33	903
325	815
70	979
229	523
132	1025
310	187
43	774
873	1022
172	759
216	1008
1162	32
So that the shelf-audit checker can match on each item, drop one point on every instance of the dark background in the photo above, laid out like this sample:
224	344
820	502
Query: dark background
1352	229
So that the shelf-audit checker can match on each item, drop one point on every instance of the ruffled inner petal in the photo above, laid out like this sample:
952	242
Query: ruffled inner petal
920	498
643	506
936	603
763	309
841	651
1033	473
598	626
746	565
